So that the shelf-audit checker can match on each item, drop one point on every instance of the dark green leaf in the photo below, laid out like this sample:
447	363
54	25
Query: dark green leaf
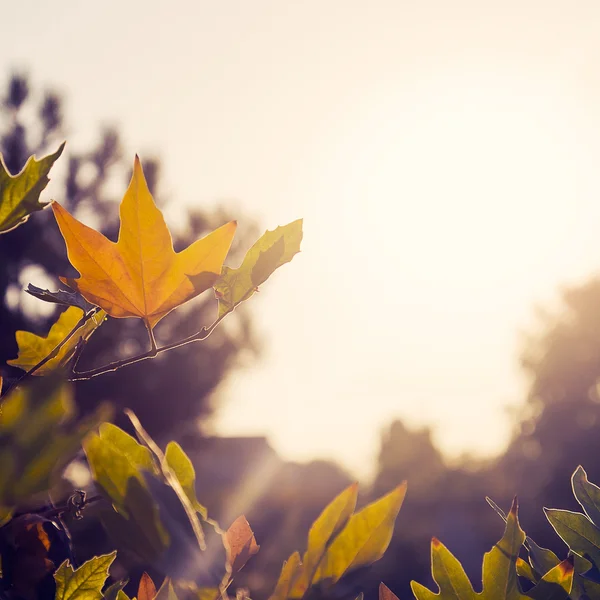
587	494
577	531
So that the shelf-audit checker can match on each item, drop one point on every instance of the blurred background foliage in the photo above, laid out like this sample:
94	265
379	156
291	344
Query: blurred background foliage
555	430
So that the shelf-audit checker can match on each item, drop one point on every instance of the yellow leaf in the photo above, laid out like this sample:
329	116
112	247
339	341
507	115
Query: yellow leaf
329	523
33	348
289	573
364	539
140	275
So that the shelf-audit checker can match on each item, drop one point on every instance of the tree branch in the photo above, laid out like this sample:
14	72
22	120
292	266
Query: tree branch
119	364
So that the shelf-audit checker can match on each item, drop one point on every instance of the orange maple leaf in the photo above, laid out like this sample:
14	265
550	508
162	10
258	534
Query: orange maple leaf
140	275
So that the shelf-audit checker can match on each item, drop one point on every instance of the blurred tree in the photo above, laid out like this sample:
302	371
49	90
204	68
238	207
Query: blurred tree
557	429
168	393
442	501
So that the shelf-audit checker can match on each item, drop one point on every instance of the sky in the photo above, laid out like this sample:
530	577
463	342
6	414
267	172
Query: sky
444	157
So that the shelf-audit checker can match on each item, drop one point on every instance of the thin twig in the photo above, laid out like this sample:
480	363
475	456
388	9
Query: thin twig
119	364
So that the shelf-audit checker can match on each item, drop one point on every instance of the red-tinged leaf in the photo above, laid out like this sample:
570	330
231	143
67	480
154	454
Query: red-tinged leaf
242	543
146	589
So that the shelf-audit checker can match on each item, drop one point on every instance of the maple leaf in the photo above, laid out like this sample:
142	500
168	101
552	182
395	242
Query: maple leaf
140	275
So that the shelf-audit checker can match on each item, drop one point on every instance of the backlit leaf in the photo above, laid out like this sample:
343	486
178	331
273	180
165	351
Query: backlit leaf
524	569
577	531
115	591
587	494
33	348
115	457
329	523
84	583
182	467
290	571
146	589
556	584
363	540
541	559
20	194
273	249
28	454
448	574
242	543
166	591
499	572
140	275
203	562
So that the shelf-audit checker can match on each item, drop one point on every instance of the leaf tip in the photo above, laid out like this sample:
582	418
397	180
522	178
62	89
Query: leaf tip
567	567
514	507
435	543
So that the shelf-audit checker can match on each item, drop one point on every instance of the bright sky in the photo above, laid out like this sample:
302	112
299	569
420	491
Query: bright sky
444	156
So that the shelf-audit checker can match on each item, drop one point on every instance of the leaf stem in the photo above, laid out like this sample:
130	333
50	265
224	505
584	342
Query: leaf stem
153	346
119	364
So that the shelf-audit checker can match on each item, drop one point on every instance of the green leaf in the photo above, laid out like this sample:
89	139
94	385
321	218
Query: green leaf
34	348
499	564
137	527
363	540
28	455
525	570
291	570
329	523
500	567
587	494
499	571
84	583
556	584
541	559
448	574
19	194
115	458
114	591
272	250
166	591
577	531
6	514
206	563
182	467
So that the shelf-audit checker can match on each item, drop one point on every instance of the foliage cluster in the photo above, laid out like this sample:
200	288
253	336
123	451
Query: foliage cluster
146	497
